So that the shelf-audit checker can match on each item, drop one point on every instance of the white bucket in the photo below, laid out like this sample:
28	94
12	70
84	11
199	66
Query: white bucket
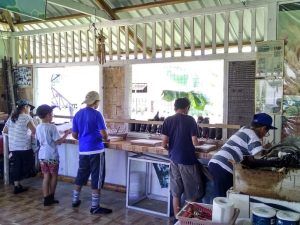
287	218
263	216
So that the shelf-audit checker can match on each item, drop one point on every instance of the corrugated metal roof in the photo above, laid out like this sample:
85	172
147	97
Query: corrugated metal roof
54	11
58	11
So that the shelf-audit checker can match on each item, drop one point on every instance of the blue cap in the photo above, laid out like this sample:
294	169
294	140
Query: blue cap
43	110
263	119
22	102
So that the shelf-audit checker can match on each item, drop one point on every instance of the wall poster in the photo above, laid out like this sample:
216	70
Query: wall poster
269	77
289	31
23	76
269	58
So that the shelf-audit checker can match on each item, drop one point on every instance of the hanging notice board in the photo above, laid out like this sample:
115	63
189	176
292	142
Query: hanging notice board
23	76
269	58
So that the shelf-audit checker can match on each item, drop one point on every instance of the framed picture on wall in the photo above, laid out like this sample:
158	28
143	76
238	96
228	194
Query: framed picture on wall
23	76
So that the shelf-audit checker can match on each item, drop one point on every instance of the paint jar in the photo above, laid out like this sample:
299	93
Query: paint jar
211	133
205	132
153	128
263	216
137	127
219	132
131	127
143	127
287	218
148	128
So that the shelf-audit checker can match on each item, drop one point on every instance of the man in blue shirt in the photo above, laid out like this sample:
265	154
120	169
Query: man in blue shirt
90	129
180	137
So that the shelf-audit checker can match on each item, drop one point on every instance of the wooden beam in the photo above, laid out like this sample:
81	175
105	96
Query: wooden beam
9	20
113	16
53	19
149	5
79	7
17	17
3	23
107	9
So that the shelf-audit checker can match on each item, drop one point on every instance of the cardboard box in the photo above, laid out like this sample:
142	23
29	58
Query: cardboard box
269	184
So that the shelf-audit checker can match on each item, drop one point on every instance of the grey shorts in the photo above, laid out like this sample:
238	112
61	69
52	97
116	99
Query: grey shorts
186	179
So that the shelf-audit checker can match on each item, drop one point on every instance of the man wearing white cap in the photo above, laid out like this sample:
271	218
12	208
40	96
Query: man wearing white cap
245	142
90	129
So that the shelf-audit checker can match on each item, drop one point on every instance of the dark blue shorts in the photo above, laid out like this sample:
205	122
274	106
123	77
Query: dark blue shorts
93	165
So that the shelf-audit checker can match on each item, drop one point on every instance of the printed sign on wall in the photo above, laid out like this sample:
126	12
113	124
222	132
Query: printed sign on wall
269	58
23	76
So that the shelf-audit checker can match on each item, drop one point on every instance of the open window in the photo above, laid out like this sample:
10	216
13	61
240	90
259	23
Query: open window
65	87
200	77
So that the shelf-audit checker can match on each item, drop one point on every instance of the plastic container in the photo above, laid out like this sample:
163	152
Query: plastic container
287	218
263	216
195	221
212	133
219	133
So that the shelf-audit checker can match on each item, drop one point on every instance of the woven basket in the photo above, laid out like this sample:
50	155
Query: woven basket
194	221
114	132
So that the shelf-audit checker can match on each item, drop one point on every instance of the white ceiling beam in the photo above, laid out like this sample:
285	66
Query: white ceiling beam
271	22
79	7
149	19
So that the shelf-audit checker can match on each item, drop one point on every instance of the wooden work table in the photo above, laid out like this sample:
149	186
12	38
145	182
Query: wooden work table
117	154
125	145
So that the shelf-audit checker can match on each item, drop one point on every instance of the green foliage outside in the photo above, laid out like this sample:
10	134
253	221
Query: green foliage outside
198	101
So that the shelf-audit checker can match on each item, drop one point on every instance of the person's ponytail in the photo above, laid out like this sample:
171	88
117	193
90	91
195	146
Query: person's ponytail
15	114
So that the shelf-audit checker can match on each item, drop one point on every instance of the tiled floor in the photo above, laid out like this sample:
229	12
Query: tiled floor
27	208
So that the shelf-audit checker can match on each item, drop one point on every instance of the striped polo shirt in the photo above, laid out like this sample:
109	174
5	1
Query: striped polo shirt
19	135
243	142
